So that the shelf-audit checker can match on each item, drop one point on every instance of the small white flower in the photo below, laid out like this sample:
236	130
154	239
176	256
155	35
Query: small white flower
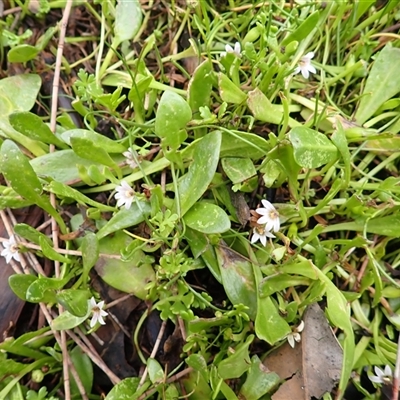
125	195
261	234
305	66
236	50
295	336
98	312
385	376
130	160
10	250
270	217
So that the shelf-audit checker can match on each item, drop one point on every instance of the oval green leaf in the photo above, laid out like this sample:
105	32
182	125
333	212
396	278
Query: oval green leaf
207	218
22	53
205	160
172	115
311	149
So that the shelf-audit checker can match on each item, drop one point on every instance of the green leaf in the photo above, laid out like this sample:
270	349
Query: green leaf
238	169
31	234
173	114
270	326
259	381
382	83
243	144
90	253
19	284
303	30
85	148
109	145
228	91
63	190
51	253
124	389
311	149
205	160
74	301
237	278
61	166
128	19
19	172
207	218
200	86
18	93
22	53
237	363
125	218
84	368
263	109
43	289
340	141
156	371
128	276
67	321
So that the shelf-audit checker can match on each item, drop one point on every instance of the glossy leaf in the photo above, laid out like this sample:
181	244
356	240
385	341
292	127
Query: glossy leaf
61	166
237	363
85	148
229	92
303	30
128	276
259	381
124	389
207	218
90	253
270	326
382	84
18	171
22	53
43	289
263	109
195	182
156	371
74	301
31	234
84	367
237	278
18	93
243	144
20	284
51	253
67	321
33	127
200	86
63	190
311	149
173	114
125	218
128	19
109	145
238	169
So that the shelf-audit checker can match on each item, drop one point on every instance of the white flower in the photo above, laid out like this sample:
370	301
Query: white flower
10	250
305	66
261	234
130	160
98	312
295	336
124	195
236	50
385	376
270	217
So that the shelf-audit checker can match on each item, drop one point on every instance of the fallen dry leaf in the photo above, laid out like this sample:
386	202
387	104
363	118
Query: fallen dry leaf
313	367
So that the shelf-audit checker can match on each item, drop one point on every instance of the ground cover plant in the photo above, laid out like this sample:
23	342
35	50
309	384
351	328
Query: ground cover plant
199	199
